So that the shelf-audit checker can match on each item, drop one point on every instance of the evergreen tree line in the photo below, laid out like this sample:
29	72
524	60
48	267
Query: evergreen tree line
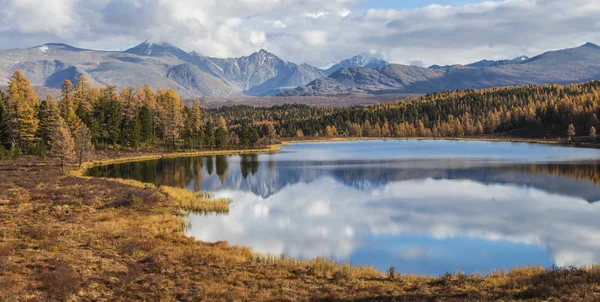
536	111
86	117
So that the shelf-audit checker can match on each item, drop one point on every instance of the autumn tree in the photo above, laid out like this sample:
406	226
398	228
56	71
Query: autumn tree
270	133
571	132
172	117
62	144
195	121
83	143
299	133
593	133
20	116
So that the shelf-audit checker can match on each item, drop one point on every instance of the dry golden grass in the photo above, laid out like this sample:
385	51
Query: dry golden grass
197	202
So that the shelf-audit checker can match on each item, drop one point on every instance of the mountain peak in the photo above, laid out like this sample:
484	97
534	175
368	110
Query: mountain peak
159	49
590	44
61	46
365	59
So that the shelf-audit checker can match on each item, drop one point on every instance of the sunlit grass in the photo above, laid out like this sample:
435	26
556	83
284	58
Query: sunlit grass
318	267
197	202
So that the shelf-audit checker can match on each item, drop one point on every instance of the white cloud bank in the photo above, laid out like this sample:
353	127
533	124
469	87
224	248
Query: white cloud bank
327	218
311	31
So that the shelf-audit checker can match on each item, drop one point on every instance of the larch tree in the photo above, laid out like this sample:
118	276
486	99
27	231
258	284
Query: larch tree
62	145
195	122
21	111
270	133
571	132
172	116
83	143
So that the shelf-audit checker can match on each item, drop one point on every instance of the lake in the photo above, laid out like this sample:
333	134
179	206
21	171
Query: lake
424	207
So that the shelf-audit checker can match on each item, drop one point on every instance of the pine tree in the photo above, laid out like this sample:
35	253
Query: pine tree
113	121
146	123
20	118
221	138
254	136
48	116
2	116
136	133
209	136
245	135
62	144
83	143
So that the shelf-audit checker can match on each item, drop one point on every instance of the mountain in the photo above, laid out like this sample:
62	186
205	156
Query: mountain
161	65
563	66
490	63
261	73
366	60
49	65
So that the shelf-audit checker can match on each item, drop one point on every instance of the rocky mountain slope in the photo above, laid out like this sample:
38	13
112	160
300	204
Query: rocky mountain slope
160	65
562	66
366	60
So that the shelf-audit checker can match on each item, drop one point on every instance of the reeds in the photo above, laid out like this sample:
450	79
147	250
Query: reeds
197	202
318	267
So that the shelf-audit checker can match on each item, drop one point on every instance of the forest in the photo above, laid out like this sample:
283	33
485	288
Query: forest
86	118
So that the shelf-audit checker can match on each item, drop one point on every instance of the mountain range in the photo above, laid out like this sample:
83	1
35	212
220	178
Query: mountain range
264	74
165	66
561	67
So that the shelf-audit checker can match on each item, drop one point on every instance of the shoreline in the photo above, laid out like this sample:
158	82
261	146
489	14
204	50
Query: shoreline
274	148
277	148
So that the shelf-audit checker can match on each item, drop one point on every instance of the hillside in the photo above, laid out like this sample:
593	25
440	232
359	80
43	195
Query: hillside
160	65
559	67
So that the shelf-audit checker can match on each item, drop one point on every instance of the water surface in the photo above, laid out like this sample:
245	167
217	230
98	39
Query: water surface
425	207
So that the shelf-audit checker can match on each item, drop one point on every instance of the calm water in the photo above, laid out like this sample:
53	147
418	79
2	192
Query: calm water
426	207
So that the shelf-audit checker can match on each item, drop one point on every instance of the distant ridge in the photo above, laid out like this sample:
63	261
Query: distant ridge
562	66
262	73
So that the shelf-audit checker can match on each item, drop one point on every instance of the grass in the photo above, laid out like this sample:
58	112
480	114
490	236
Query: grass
67	237
197	202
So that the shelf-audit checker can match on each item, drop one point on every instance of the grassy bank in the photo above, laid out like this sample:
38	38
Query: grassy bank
68	237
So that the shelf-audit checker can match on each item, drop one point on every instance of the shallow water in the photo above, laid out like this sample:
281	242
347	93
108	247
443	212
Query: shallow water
425	207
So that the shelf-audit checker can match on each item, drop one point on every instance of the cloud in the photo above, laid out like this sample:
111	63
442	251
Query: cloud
311	31
328	218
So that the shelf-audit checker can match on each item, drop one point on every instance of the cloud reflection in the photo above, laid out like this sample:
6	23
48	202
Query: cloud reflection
328	218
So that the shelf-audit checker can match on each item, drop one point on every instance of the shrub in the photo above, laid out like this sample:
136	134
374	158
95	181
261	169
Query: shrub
61	282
